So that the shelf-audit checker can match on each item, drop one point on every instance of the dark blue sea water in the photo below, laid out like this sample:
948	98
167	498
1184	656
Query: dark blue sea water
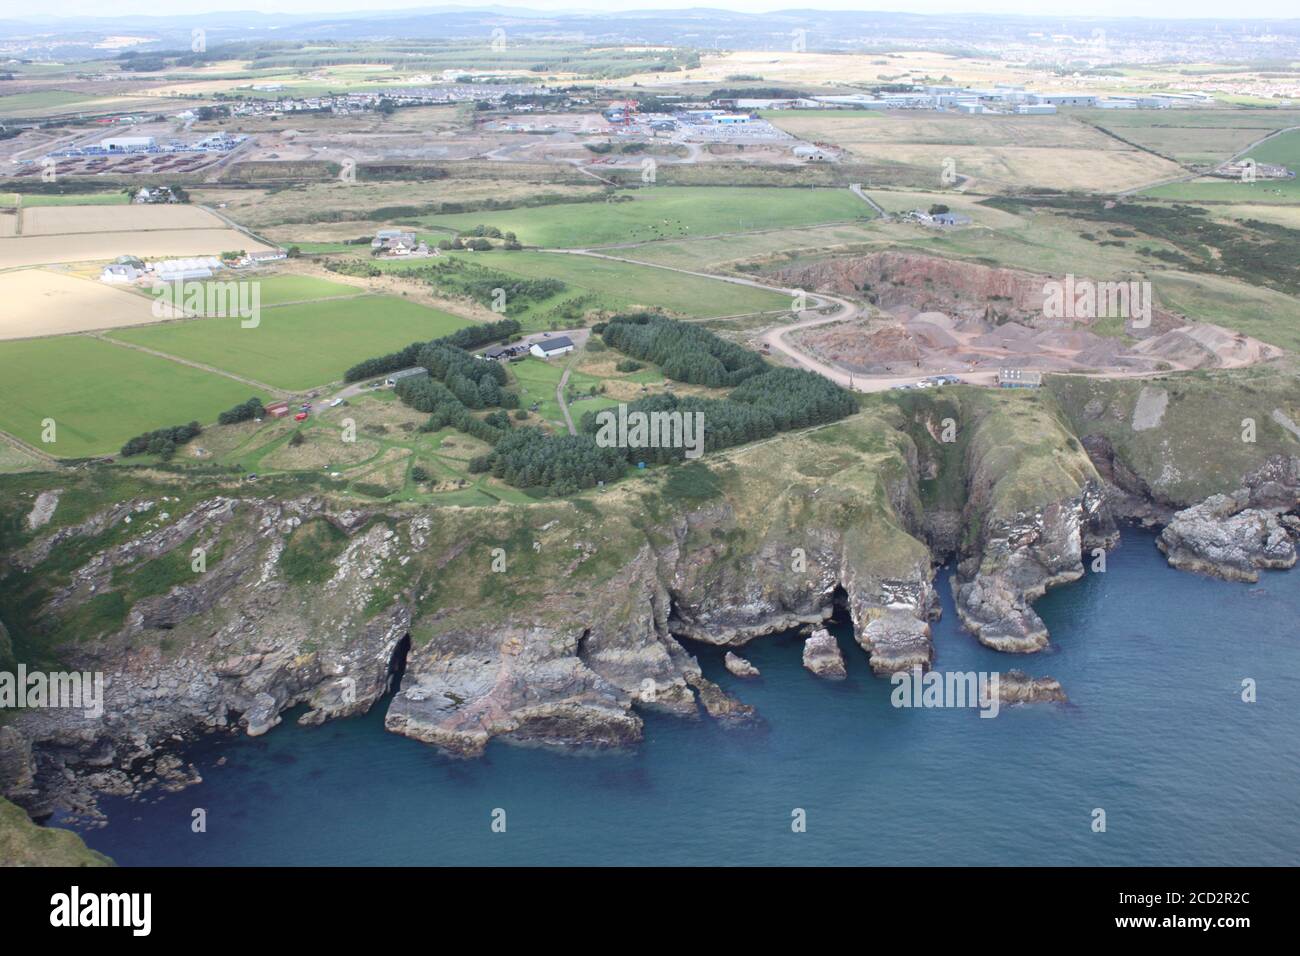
1156	734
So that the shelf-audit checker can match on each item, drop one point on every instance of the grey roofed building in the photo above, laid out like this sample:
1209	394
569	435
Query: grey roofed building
557	344
1019	378
395	377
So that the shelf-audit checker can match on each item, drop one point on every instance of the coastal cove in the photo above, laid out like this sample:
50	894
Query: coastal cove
1155	733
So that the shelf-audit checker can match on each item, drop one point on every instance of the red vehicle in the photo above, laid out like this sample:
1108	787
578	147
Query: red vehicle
301	416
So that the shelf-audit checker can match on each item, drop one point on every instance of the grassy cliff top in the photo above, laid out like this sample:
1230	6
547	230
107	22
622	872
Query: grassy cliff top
24	843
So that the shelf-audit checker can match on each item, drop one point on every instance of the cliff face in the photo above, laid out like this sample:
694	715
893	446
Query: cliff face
557	622
1034	506
553	623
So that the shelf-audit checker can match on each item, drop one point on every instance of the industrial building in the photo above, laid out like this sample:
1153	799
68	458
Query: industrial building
127	144
1019	378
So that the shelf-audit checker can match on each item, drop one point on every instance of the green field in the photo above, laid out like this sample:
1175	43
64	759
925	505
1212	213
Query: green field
297	347
279	290
101	394
30	200
1264	191
664	212
1282	150
594	283
1193	135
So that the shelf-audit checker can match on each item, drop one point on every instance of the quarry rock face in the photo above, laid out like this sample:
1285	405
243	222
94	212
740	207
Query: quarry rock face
1226	538
915	283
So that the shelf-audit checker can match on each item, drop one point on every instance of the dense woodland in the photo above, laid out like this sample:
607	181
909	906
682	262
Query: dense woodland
685	352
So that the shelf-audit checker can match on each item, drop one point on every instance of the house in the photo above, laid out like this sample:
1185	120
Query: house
546	348
950	219
257	257
396	377
390	240
498	352
1019	378
277	409
119	273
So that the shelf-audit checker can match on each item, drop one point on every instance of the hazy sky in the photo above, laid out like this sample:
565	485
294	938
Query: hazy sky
1152	8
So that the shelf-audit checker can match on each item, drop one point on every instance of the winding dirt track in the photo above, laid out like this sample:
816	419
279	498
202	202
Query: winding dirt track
775	338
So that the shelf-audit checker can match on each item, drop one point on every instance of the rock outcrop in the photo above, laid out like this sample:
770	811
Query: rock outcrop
1035	503
1017	687
822	656
1225	537
897	640
739	666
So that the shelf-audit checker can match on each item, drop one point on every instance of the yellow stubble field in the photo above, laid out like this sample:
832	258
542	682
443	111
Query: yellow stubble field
41	302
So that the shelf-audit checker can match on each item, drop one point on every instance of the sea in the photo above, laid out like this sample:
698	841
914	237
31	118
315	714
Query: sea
1180	745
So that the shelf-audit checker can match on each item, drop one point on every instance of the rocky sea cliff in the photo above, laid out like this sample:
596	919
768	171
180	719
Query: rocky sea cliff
562	623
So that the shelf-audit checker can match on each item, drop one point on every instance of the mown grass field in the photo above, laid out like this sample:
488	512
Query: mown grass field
1264	192
664	212
31	200
280	289
100	394
1193	135
611	284
1282	150
297	347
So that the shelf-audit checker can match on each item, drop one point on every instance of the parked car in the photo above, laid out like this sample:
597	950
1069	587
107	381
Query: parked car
301	416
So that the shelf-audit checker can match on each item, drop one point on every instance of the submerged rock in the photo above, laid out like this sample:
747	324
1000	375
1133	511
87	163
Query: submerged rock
1224	537
739	666
719	705
1017	687
821	655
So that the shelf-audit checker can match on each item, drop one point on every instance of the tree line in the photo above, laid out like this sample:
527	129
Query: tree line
162	442
470	337
685	352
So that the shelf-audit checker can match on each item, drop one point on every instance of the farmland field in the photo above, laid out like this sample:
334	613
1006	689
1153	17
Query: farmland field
594	283
100	394
1193	136
282	289
1263	191
299	346
997	151
31	200
102	246
40	302
665	212
60	219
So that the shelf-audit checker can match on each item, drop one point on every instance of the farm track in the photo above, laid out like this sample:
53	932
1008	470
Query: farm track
559	397
262	386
